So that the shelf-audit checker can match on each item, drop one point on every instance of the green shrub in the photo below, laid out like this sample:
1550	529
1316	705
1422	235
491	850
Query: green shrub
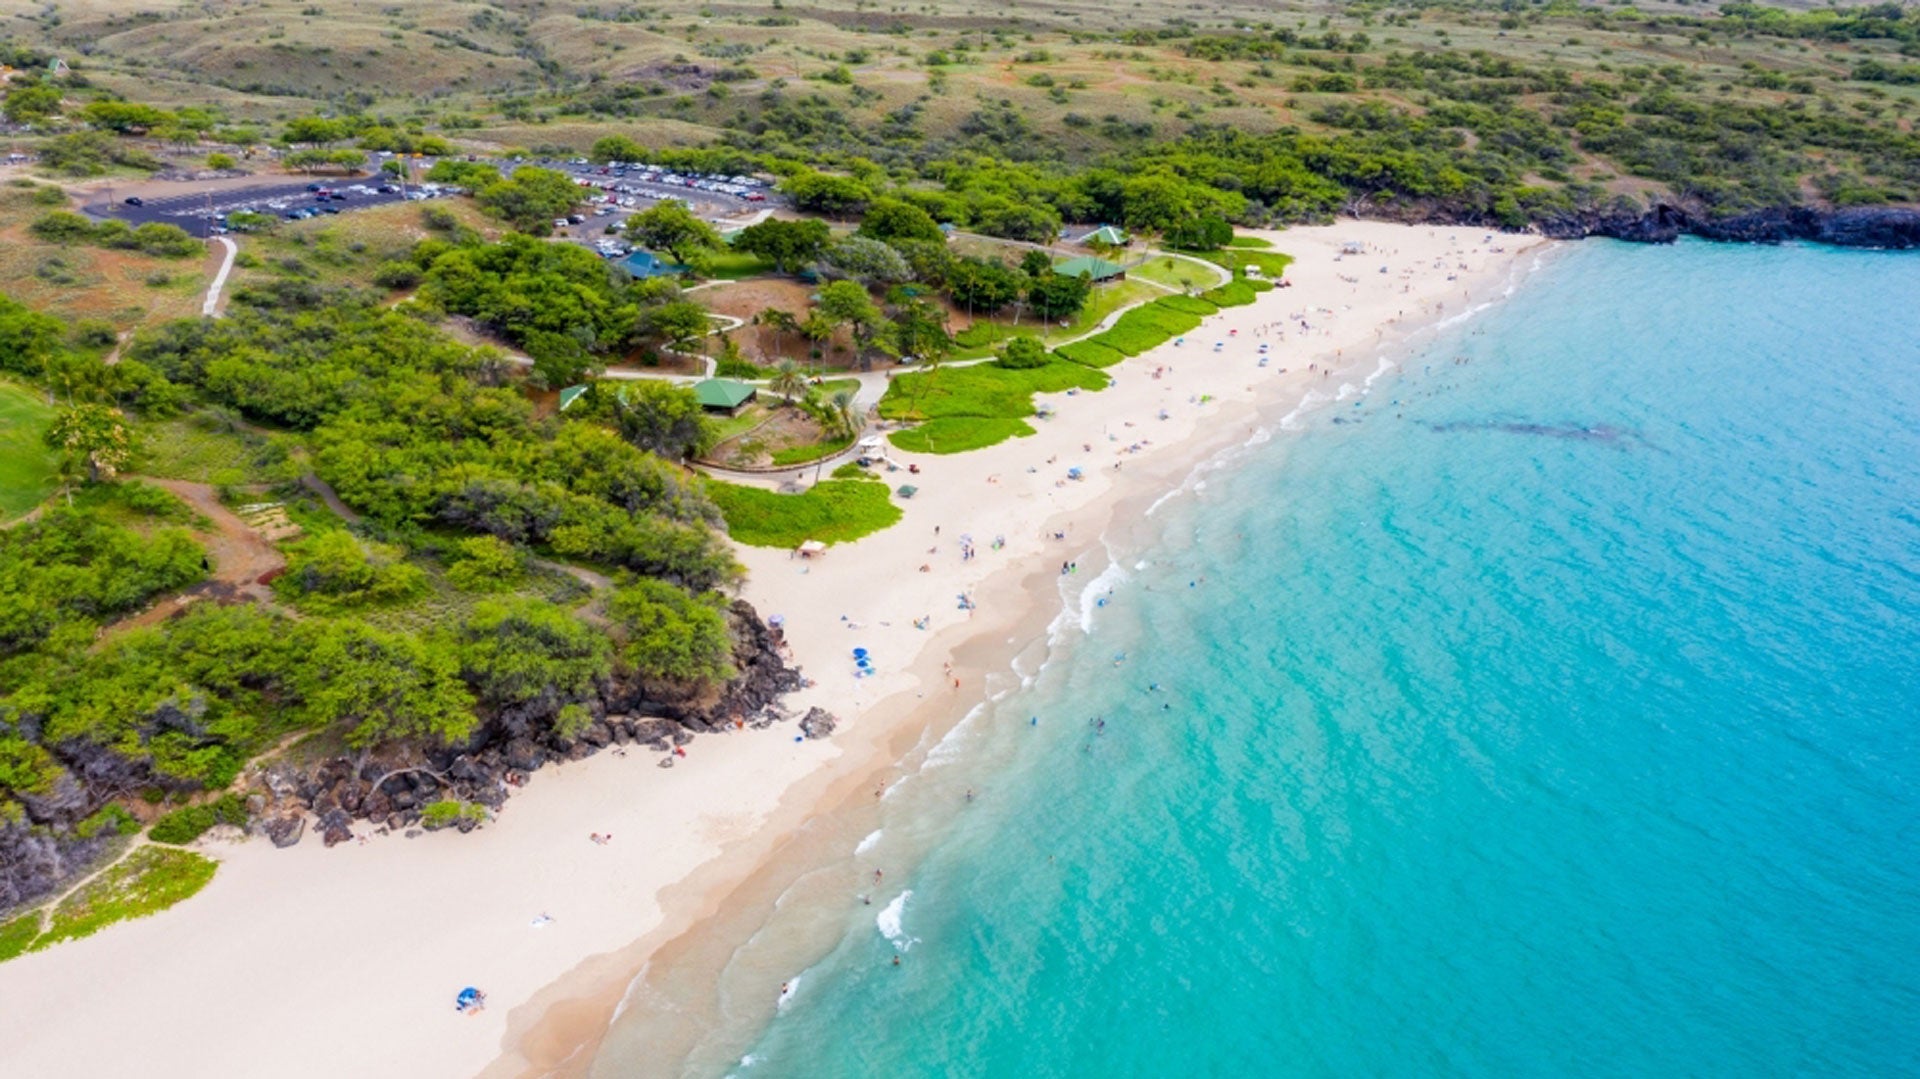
1130	340
740	369
958	434
1236	293
1090	352
486	564
397	274
183	826
1192	305
220	161
832	512
1022	353
109	818
49	196
17	935
62	227
334	570
448	812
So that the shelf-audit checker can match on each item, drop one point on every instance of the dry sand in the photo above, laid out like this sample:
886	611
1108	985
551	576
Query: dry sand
346	961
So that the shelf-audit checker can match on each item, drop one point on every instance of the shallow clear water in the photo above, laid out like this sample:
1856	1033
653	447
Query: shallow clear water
1552	712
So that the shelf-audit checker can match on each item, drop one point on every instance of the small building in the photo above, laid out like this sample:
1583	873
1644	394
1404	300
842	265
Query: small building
1096	269
571	394
644	264
723	395
1106	236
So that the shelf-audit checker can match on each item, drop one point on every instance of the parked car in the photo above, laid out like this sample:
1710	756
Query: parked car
135	200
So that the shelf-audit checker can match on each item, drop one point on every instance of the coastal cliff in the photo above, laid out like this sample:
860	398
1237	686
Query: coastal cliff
394	790
1895	227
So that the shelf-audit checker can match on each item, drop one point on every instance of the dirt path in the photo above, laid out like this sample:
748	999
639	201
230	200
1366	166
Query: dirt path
326	493
239	555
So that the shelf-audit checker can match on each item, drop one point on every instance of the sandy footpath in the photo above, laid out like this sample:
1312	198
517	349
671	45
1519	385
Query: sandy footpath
346	961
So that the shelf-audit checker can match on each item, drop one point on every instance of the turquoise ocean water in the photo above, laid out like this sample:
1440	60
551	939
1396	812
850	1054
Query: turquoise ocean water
1554	712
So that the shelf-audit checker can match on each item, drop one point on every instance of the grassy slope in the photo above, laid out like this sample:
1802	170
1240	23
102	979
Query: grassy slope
148	881
835	511
26	465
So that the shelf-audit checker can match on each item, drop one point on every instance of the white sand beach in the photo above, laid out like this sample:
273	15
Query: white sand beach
346	961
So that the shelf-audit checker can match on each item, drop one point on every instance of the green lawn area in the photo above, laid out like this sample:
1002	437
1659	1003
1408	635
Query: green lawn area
981	390
26	465
1175	273
812	451
981	339
1249	241
966	408
734	265
1270	263
731	426
958	434
149	881
834	511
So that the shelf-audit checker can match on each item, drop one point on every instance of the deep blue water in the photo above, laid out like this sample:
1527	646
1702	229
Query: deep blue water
1552	713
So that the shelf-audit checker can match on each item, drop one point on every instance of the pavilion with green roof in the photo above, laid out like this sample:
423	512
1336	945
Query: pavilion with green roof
1096	269
723	394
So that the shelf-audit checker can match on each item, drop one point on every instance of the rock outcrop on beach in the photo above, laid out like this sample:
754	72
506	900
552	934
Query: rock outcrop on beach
394	789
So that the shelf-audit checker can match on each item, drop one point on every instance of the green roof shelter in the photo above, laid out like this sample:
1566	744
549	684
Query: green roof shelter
571	394
1105	234
723	394
645	264
1097	269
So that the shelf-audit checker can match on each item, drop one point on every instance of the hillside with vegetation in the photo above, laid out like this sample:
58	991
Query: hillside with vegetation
1560	114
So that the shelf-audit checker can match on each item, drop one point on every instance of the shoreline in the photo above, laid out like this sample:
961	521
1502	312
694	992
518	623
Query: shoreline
379	936
900	731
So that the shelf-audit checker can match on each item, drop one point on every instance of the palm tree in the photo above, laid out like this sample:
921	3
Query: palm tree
842	401
787	380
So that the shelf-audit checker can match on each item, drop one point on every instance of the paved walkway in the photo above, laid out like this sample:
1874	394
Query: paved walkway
211	308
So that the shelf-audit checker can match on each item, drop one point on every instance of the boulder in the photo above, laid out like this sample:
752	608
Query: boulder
522	755
335	827
817	723
287	829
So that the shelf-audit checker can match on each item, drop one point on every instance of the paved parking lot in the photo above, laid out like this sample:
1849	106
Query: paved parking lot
194	211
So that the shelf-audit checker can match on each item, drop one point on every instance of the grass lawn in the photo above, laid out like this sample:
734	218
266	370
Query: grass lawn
834	511
1249	241
983	390
812	451
1175	273
958	434
983	336
149	881
966	408
26	465
747	419
1271	264
735	265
